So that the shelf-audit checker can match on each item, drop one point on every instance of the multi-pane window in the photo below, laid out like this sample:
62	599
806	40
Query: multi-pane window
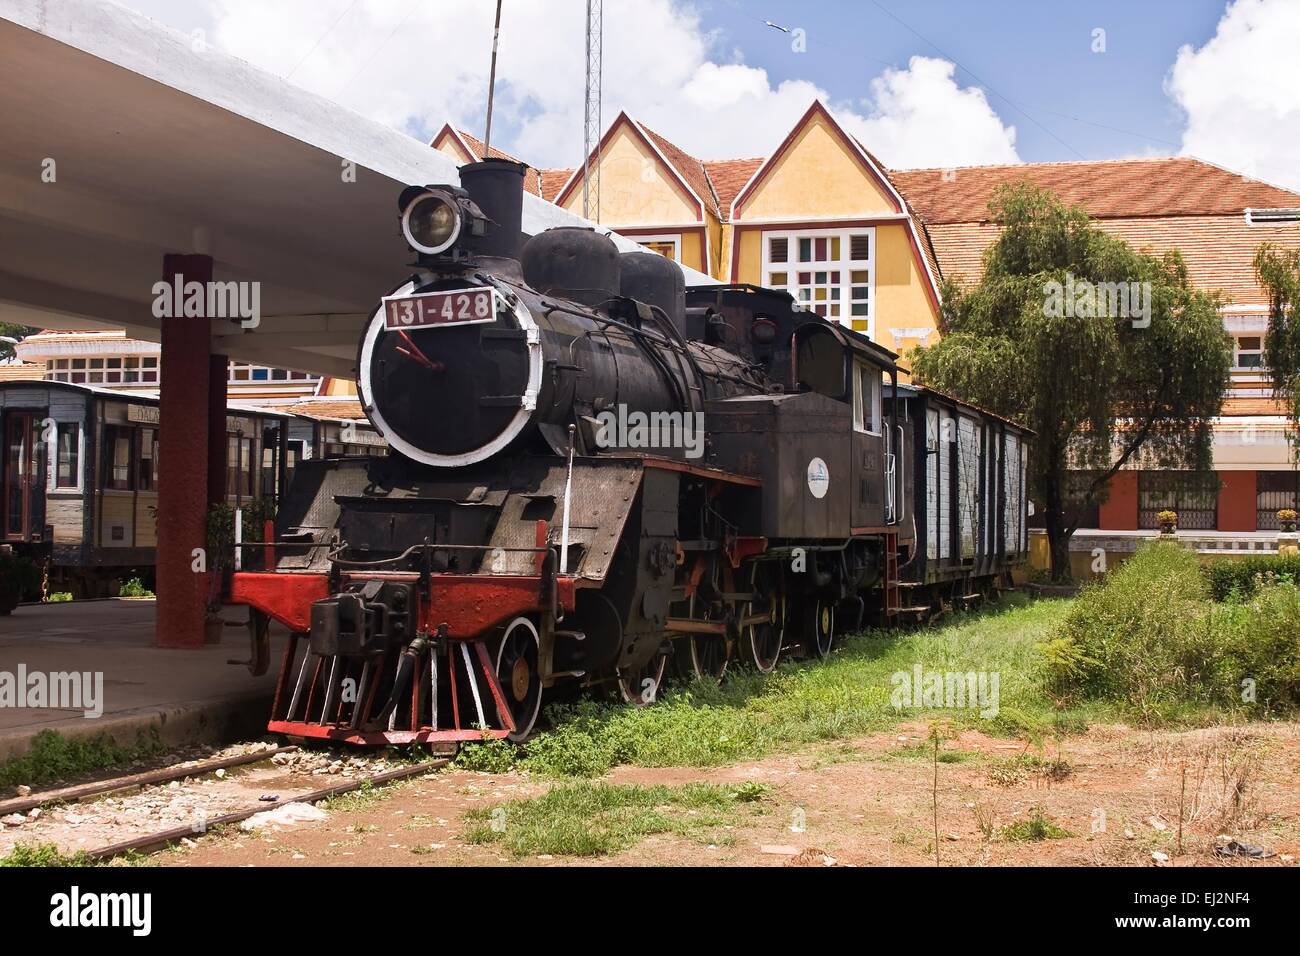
105	370
1248	353
243	372
828	271
1194	495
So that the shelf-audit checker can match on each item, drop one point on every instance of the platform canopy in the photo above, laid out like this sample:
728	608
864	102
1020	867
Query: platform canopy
120	141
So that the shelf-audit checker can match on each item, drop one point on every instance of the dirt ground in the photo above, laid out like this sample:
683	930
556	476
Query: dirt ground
1117	791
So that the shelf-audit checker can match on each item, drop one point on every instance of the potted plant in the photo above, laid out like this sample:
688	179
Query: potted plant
1168	521
1286	520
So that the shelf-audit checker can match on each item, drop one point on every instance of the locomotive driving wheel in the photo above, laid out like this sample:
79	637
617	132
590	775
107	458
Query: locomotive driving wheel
518	673
706	655
761	640
640	686
819	626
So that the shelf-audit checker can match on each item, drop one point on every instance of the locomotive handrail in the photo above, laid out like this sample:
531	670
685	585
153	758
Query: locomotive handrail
333	555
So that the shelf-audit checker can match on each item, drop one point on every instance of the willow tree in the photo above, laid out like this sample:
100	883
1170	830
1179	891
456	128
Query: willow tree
1108	354
1279	274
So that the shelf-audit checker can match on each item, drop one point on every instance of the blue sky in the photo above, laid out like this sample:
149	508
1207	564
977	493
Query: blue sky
921	82
1033	59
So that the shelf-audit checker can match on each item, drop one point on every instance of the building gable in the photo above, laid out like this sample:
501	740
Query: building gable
639	186
817	151
450	142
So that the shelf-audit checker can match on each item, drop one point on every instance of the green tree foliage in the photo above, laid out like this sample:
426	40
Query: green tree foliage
10	331
1099	385
1279	273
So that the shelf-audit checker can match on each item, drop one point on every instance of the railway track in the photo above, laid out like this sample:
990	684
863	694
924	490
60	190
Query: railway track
156	839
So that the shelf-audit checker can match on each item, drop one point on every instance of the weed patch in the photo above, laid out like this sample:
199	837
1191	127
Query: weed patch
593	819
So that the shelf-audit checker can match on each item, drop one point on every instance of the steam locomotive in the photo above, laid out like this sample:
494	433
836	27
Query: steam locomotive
598	475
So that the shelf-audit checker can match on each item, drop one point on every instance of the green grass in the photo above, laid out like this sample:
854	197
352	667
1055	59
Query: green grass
42	854
592	819
1151	639
55	757
1034	828
494	755
751	715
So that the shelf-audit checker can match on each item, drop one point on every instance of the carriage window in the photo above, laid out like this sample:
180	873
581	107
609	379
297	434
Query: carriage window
866	401
268	464
67	464
117	457
239	466
148	461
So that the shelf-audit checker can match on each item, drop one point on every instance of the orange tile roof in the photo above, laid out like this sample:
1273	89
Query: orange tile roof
553	181
345	408
1123	188
1219	250
532	178
21	372
728	177
688	167
1252	406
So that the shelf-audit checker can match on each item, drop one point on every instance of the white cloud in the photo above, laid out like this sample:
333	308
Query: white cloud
921	117
413	64
1241	92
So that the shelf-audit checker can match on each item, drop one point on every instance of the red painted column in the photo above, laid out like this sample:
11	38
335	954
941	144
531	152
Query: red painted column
1119	512
217	445
185	414
1236	500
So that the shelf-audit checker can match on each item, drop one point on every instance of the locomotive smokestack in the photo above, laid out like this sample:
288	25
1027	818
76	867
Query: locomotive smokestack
497	188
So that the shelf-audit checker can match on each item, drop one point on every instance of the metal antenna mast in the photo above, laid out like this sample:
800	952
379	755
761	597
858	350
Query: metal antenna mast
592	124
492	84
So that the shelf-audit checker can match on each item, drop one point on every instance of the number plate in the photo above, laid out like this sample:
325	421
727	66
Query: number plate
454	307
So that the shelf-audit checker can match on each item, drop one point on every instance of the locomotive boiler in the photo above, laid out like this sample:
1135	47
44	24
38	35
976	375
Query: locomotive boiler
596	476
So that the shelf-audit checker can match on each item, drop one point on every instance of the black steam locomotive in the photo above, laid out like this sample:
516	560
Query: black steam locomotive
597	475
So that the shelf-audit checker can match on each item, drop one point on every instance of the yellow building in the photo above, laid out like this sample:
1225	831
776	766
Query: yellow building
819	218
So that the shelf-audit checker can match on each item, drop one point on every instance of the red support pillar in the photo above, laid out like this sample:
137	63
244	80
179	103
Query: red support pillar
218	446
1120	510
185	425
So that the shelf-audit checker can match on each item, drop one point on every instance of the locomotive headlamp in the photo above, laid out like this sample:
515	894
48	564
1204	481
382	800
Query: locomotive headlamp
431	222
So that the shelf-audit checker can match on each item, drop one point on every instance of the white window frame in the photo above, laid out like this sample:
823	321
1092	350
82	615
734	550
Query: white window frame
52	468
1237	350
877	399
845	266
671	237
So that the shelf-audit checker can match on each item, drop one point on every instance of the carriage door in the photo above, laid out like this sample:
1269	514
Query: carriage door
23	494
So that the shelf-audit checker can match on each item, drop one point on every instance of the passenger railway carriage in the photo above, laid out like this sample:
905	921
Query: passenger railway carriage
80	474
516	543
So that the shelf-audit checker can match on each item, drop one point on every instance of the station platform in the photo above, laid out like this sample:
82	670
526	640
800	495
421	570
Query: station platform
181	696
